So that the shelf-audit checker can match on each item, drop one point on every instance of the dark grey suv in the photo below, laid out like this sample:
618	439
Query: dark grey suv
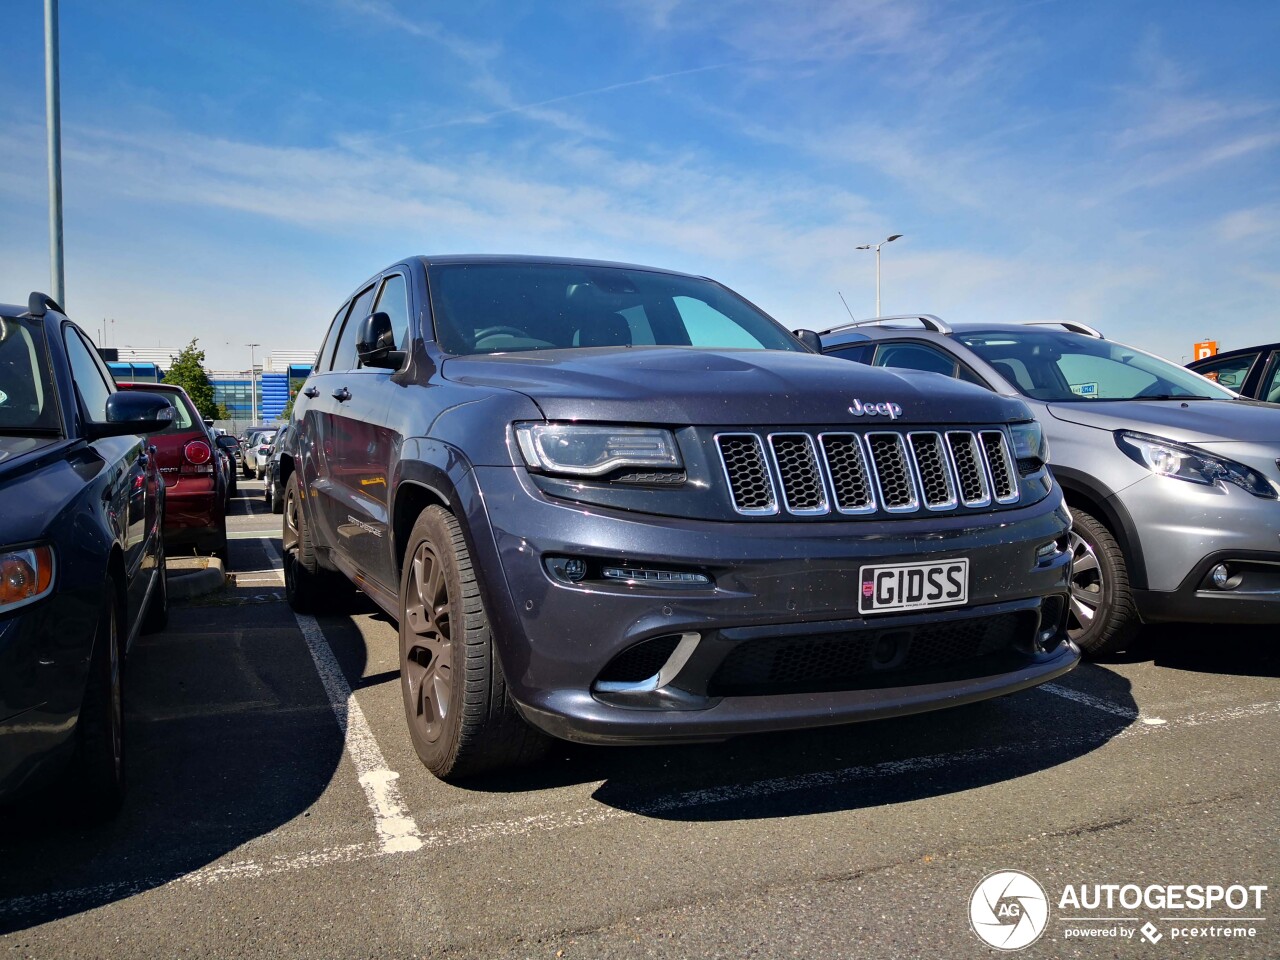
622	505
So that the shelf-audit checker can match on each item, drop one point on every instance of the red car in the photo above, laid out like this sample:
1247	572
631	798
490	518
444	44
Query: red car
195	488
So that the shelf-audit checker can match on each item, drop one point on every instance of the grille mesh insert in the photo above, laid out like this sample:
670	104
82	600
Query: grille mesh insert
865	473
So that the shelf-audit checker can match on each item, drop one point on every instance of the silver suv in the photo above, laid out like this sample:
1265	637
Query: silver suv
1173	481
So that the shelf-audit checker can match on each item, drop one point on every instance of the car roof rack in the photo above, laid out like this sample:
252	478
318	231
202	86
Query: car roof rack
1073	325
930	322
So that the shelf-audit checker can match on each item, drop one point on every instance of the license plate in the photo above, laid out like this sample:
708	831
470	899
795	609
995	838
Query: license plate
913	586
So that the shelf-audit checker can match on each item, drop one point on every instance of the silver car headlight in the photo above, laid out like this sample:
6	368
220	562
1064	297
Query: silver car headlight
593	450
1184	462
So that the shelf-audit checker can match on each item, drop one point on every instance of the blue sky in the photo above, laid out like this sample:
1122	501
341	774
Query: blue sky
234	169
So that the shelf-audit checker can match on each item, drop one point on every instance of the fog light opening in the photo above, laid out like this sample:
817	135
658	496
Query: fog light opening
1222	577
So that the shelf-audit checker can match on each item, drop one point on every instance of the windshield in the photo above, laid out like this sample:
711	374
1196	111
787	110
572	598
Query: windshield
27	402
184	411
494	308
1072	367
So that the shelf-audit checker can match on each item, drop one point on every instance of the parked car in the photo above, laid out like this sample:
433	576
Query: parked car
261	451
1251	372
622	505
195	484
231	447
81	554
272	492
1172	480
249	443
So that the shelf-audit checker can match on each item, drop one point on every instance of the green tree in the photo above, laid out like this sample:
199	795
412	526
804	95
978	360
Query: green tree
187	372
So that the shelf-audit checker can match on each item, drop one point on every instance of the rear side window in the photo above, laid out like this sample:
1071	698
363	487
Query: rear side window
325	357
915	356
344	355
393	300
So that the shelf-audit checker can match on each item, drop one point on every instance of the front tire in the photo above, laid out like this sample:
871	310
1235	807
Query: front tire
99	764
157	615
461	719
1102	618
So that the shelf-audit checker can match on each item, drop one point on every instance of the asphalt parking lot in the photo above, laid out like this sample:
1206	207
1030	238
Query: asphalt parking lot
277	810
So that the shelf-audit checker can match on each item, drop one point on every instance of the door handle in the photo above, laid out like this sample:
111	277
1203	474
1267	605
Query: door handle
342	394
311	392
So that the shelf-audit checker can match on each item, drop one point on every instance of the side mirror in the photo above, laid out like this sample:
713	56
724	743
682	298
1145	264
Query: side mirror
132	411
376	343
809	339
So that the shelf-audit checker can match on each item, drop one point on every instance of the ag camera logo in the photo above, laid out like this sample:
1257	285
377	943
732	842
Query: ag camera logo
1008	910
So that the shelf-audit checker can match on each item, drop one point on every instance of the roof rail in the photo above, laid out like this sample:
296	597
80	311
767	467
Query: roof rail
929	321
1073	325
39	302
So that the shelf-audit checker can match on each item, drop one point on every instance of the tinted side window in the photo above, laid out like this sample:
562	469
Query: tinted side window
1229	373
1270	391
344	355
90	382
860	353
393	300
915	356
325	357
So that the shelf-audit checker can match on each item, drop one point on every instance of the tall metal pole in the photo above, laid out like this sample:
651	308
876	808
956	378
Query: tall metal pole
53	123
878	246
253	384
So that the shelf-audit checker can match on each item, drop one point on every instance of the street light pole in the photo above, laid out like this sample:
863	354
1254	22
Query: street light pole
253	384
876	247
53	126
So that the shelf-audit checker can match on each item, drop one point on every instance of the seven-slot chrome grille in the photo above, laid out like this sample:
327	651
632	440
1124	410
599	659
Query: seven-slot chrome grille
895	472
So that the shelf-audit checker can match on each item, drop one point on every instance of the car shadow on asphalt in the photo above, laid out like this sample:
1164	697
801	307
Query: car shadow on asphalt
1228	649
230	736
845	767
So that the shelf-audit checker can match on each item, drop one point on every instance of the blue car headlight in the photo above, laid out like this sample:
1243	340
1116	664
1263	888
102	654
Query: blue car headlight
1184	462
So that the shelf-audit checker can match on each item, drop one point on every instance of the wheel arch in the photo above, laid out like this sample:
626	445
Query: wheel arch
1082	492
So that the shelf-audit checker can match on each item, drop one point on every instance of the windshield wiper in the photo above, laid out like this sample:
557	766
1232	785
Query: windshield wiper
1171	396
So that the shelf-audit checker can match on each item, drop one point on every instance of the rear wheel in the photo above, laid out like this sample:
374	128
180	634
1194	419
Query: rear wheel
461	719
99	766
305	581
1102	618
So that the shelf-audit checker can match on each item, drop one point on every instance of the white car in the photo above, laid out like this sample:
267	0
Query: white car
262	453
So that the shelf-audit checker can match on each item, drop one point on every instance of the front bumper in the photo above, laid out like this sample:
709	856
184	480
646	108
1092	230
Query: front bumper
558	642
1251	596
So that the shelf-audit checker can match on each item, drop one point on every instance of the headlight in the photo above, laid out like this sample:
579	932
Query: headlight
26	575
1183	462
584	450
1029	443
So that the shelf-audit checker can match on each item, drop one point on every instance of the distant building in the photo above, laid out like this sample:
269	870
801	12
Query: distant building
278	379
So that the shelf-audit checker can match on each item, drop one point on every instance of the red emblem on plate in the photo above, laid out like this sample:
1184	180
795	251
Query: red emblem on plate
868	588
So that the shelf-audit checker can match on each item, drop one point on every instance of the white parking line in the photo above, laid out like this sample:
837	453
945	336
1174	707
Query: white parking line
396	827
1089	700
585	816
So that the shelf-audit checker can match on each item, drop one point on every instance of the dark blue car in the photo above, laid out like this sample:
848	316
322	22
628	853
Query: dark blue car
81	554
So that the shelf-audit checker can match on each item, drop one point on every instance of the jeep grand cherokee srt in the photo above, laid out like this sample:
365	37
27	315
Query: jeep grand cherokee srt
622	505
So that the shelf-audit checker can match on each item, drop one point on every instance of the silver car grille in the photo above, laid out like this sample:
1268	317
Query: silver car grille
876	471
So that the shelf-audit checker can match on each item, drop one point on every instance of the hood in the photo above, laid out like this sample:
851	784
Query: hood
1203	422
18	453
687	385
